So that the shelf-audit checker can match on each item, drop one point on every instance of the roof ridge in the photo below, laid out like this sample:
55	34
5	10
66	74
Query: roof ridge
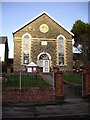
44	12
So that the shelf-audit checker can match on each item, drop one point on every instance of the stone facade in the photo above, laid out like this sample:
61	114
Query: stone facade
50	36
28	95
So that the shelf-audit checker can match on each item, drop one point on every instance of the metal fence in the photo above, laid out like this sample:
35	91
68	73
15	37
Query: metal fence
24	79
27	87
74	83
21	79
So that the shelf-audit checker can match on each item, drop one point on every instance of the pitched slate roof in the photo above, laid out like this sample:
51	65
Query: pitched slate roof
3	39
37	18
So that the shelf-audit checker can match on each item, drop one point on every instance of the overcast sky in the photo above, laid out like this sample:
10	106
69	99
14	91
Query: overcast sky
16	14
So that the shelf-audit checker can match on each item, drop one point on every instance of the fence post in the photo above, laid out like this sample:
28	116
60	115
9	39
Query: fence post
82	84
86	84
20	81
58	86
53	82
8	70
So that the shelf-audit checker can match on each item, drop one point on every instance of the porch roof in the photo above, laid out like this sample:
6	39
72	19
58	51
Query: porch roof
31	64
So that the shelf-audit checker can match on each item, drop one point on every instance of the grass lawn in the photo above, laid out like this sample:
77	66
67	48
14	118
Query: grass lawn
76	79
26	80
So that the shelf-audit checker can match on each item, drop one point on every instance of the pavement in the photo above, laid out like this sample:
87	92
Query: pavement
70	107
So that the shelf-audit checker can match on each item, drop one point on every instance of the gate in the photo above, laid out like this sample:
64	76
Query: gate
72	85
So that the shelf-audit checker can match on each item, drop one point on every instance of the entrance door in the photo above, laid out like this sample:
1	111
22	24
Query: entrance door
45	66
44	62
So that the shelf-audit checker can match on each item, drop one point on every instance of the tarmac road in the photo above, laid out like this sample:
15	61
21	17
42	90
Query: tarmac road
71	107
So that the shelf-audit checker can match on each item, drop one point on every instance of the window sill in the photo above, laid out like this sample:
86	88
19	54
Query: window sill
62	65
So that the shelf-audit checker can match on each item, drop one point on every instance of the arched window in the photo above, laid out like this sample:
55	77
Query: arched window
61	48
44	57
26	48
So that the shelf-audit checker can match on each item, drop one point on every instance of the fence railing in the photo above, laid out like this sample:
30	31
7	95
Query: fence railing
24	79
25	87
74	82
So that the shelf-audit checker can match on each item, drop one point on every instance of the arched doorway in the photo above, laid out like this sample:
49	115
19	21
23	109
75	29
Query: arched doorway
44	59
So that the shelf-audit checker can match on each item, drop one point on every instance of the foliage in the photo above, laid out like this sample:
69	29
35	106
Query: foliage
81	31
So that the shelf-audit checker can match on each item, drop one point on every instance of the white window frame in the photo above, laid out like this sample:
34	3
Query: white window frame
64	39
29	47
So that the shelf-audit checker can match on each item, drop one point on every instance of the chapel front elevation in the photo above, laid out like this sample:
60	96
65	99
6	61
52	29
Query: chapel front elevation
45	42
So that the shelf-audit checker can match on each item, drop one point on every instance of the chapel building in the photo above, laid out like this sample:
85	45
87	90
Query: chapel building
45	42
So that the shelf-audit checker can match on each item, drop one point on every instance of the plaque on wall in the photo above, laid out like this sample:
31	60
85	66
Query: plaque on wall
44	43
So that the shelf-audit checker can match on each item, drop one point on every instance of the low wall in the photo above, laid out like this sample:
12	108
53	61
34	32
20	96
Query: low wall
27	94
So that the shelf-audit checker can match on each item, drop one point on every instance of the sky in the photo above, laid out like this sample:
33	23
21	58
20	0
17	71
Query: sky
15	14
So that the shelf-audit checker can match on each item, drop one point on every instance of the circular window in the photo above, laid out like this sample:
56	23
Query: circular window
44	28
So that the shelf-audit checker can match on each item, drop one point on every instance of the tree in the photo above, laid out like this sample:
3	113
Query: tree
81	31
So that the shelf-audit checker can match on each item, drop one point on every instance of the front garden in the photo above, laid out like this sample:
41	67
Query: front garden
33	80
75	79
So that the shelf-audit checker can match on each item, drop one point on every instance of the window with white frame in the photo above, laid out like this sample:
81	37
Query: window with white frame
61	40
26	48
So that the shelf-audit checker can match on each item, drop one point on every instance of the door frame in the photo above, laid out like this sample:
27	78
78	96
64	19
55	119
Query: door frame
49	61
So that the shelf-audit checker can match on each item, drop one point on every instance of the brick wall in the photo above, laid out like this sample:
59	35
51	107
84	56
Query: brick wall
35	94
86	83
58	86
28	94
